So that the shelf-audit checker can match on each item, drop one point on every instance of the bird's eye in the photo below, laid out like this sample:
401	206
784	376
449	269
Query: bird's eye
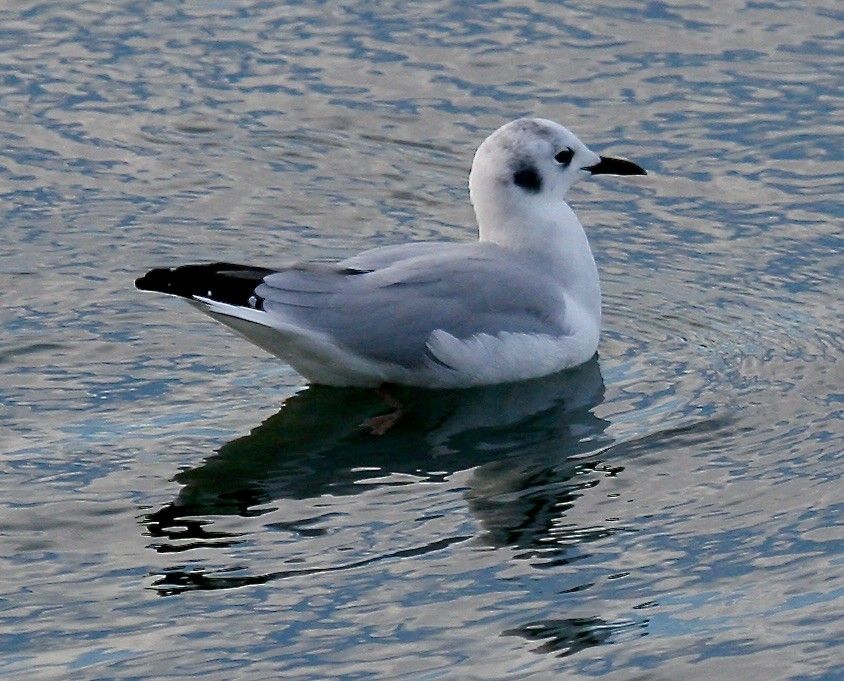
564	157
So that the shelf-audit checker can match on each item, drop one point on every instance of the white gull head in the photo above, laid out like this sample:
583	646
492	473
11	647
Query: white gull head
518	183
520	176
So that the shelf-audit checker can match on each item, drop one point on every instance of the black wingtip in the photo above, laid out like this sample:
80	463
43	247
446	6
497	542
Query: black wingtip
223	282
160	280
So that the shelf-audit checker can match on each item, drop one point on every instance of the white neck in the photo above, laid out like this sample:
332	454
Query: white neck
554	239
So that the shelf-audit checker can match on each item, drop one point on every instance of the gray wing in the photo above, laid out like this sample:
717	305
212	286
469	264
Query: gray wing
383	304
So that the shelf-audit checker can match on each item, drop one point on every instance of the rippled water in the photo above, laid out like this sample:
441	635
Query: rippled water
175	504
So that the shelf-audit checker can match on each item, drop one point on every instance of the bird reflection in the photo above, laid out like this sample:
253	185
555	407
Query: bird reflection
525	442
527	446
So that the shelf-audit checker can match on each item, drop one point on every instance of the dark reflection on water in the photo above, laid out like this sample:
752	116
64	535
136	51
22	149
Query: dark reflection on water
564	637
526	444
531	449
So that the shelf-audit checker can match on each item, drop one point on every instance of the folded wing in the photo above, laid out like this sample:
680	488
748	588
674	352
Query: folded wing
385	304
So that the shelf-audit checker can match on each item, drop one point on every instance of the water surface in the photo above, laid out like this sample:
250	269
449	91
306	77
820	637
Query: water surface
176	504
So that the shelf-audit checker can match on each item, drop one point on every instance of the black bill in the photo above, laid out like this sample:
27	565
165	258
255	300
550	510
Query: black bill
615	166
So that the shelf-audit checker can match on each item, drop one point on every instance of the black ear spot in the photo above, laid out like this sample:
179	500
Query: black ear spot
528	178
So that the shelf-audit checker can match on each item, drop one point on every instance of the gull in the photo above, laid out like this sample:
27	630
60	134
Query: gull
521	302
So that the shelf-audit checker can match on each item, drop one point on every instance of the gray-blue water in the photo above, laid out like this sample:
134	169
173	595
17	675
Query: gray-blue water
175	504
